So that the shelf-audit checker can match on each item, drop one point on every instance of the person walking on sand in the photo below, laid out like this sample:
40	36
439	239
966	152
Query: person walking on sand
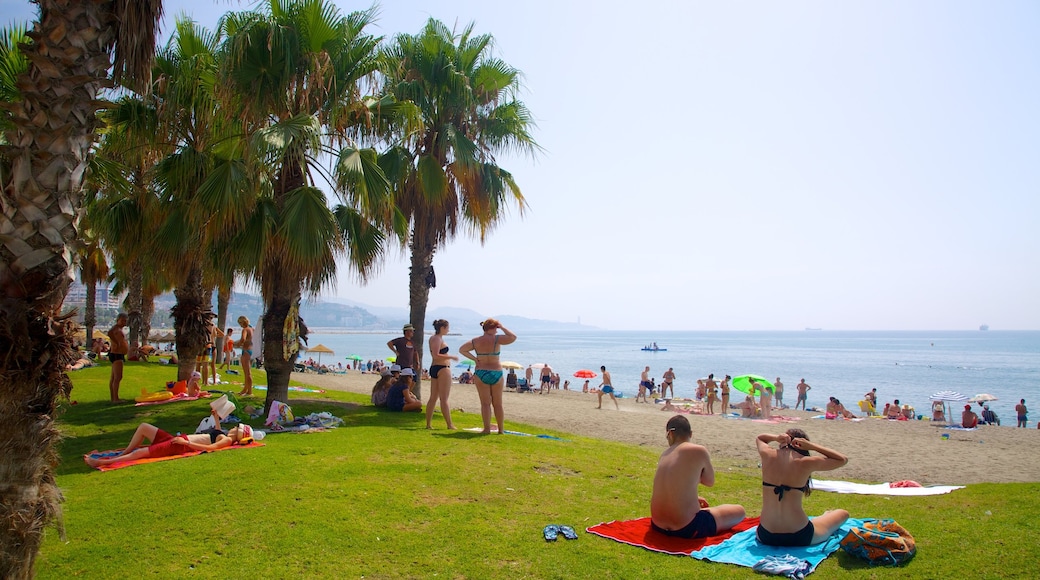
117	354
485	350
644	385
605	388
786	474
440	373
245	343
724	387
676	509
666	384
546	380
803	394
1020	410
778	393
403	348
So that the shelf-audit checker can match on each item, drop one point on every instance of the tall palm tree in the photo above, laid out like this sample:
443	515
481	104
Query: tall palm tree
303	67
445	174
48	140
93	268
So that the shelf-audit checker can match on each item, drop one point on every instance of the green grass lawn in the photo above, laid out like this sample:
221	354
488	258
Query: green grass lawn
384	498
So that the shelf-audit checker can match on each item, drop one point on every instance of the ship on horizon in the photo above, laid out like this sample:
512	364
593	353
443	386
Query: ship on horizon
984	327
807	328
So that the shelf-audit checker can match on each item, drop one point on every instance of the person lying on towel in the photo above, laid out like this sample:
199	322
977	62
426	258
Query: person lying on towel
675	508
786	474
162	444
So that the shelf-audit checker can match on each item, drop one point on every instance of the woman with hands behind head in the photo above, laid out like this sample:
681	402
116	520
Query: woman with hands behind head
485	350
786	474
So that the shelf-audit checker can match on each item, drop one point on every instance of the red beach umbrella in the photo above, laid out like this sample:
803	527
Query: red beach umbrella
585	374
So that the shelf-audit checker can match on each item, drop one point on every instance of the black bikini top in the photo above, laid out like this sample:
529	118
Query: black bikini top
444	350
780	489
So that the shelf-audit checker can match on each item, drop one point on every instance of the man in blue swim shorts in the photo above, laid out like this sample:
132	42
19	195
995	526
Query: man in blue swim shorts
606	389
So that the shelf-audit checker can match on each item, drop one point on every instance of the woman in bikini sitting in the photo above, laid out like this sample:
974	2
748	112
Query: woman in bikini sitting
162	444
786	473
485	350
440	373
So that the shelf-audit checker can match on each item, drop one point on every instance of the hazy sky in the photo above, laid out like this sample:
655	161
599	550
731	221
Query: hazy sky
752	165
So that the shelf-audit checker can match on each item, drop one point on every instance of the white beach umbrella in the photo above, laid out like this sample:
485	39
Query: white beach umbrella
949	397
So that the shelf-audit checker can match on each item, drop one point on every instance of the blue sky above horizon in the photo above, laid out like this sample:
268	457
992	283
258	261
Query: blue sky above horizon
751	165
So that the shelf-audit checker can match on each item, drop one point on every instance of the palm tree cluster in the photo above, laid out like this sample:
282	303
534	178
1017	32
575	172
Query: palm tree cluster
260	152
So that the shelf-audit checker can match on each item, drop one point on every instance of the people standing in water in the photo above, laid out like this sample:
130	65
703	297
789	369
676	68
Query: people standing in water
245	343
485	350
786	475
117	354
676	509
606	388
440	373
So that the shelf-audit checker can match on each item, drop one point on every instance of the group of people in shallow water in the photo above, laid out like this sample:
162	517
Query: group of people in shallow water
677	509
393	390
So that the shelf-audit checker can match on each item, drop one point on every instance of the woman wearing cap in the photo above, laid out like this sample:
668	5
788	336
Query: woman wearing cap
246	344
786	472
162	444
440	373
485	350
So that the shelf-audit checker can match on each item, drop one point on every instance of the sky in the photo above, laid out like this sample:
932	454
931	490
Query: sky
736	165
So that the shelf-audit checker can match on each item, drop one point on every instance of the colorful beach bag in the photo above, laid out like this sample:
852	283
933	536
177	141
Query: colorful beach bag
880	543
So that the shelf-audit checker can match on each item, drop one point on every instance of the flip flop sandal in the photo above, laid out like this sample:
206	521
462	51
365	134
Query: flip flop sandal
568	532
551	532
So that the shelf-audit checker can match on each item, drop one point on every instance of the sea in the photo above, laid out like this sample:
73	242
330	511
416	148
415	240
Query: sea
905	365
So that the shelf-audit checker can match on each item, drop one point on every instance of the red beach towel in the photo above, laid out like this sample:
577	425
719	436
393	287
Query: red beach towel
122	464
639	533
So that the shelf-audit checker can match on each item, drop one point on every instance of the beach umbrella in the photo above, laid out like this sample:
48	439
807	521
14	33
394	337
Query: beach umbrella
539	365
742	383
355	357
508	364
585	374
321	348
466	364
982	398
948	397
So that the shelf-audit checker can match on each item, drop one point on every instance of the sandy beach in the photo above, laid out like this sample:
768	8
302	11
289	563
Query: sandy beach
878	450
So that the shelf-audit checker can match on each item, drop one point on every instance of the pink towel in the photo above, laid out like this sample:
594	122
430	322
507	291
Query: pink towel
639	533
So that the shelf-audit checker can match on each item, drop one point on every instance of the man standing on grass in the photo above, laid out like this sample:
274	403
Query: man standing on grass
403	348
675	507
117	354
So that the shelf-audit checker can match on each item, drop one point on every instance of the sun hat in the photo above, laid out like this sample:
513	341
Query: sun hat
384	373
395	368
196	375
408	327
407	373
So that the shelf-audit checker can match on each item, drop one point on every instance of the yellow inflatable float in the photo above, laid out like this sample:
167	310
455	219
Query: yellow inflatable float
147	397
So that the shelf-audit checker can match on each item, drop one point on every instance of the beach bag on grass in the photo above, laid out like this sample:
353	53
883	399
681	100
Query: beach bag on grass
280	414
880	543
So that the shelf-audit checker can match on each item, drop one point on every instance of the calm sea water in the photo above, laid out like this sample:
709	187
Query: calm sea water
908	366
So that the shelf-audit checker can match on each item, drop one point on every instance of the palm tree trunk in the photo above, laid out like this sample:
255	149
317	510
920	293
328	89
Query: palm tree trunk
223	299
53	129
285	293
191	316
147	311
90	311
419	296
133	306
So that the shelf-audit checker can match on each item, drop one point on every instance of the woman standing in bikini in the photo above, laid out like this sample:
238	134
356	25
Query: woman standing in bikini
485	350
246	344
440	373
786	472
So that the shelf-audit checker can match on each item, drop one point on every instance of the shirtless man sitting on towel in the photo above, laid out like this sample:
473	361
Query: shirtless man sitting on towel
675	508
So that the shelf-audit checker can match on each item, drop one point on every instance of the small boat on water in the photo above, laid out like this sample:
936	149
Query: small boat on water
653	348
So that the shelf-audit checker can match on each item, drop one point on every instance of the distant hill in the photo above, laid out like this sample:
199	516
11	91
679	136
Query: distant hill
348	315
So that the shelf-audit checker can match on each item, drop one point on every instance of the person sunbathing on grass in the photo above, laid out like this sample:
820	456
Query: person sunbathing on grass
675	508
165	445
786	472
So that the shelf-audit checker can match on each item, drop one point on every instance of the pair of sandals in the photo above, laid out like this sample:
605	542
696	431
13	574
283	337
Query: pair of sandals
552	531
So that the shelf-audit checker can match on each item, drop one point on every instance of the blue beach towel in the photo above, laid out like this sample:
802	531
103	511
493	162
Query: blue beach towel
743	549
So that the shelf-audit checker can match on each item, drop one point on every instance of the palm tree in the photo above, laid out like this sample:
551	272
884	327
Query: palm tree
48	140
303	67
445	174
93	268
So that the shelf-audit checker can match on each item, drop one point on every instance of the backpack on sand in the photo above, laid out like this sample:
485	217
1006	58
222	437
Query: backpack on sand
880	543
